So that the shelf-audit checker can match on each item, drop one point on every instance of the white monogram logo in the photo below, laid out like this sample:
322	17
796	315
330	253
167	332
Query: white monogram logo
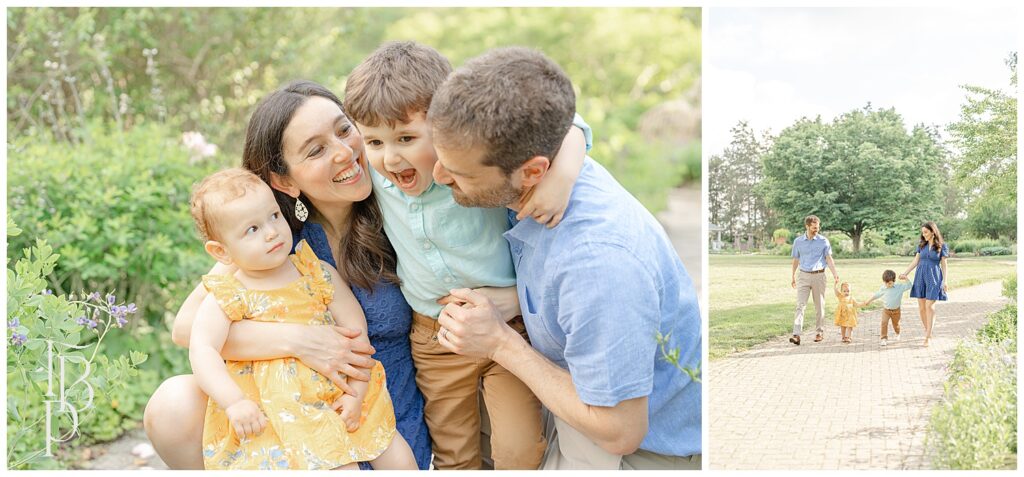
65	407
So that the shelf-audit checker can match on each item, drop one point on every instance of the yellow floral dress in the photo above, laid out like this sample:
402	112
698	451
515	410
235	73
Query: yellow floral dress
303	432
846	312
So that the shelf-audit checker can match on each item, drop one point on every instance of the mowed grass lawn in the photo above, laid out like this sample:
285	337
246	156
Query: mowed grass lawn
752	301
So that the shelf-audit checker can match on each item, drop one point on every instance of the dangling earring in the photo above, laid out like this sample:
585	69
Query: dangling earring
301	212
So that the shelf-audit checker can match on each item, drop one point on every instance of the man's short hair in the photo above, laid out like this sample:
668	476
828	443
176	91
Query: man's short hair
218	189
514	103
810	219
888	276
396	80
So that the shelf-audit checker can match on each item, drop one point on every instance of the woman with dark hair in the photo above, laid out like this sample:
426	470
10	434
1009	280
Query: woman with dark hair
301	143
930	279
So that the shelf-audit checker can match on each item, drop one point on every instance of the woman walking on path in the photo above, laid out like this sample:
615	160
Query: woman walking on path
930	279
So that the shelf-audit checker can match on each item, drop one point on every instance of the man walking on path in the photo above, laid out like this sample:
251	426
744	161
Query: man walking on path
811	252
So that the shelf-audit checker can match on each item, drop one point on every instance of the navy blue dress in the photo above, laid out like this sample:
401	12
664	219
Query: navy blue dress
388	320
928	277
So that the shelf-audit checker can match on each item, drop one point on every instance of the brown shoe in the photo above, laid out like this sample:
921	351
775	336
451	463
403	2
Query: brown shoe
795	340
818	338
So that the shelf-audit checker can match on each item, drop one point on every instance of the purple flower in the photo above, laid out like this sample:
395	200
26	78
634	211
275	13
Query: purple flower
121	322
94	296
47	292
111	299
131	309
18	339
13	323
91	324
82	320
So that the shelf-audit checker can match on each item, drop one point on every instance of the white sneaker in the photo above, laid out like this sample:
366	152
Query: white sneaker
896	337
883	343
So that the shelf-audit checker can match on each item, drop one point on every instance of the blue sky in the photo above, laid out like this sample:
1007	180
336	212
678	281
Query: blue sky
771	66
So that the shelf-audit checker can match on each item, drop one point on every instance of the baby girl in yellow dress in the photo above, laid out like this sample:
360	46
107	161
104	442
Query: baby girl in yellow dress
278	413
846	311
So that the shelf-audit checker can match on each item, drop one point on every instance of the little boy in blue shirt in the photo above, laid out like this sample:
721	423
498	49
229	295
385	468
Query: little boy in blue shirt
891	294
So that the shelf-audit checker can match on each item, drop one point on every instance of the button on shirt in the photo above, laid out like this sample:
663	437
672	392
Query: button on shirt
596	290
441	245
893	296
812	252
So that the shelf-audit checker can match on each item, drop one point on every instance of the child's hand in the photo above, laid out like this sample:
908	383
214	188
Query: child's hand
351	410
545	203
246	418
903	276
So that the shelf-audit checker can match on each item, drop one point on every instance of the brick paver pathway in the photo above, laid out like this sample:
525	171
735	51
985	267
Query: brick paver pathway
831	405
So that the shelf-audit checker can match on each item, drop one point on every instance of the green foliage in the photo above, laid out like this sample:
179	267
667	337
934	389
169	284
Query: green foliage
785	250
784	234
735	175
1010	288
620	82
993	215
972	246
995	251
672	356
115	208
847	171
975	425
41	323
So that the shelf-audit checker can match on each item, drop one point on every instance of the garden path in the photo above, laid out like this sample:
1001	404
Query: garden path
681	220
831	405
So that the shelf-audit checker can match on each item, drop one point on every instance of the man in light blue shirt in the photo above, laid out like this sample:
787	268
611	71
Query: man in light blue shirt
811	253
596	291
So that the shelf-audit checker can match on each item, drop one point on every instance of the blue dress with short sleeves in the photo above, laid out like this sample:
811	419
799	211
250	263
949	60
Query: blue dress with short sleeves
388	320
928	277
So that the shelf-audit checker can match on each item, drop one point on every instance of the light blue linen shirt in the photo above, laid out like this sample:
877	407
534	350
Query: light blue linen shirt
441	245
893	296
812	252
596	290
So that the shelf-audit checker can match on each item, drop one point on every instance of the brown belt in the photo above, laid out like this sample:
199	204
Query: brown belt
816	271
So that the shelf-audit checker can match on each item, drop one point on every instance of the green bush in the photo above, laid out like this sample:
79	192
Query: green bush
863	253
782	233
973	246
1010	288
77	327
116	210
975	425
986	251
784	250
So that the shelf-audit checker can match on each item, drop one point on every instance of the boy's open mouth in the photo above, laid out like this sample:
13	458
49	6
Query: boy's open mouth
406	179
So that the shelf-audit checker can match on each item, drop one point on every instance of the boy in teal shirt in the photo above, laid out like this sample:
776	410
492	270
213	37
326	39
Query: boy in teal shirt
441	245
891	294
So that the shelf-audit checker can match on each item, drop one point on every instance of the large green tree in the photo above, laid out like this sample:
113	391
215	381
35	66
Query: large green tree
985	138
863	171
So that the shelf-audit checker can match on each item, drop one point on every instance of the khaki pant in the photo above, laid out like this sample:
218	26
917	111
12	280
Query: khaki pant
572	450
812	284
450	384
888	315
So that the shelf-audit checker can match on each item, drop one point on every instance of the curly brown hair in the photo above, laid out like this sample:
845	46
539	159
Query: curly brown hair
369	257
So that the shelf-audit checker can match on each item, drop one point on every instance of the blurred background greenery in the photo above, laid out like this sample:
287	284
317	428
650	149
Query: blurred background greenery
99	167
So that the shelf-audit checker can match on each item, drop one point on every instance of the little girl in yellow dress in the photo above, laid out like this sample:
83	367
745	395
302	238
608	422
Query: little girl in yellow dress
278	413
846	312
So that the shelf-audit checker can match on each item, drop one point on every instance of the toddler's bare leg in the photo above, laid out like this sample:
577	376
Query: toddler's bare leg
398	456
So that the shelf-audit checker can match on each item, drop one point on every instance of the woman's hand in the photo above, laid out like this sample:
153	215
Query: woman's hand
330	350
903	276
944	288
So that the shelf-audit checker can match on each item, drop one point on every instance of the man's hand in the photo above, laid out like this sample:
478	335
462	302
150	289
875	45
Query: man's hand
475	328
836	278
246	418
793	282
